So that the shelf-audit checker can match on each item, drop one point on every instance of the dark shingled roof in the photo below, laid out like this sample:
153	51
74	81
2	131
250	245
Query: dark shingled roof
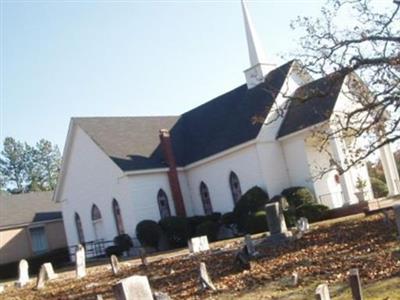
311	104
224	122
28	208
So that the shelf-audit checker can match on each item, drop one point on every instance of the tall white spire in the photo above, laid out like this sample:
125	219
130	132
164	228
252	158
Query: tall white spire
259	67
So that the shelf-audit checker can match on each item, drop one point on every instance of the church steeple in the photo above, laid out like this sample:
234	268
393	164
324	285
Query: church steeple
258	63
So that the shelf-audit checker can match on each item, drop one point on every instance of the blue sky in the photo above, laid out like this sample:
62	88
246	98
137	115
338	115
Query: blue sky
61	59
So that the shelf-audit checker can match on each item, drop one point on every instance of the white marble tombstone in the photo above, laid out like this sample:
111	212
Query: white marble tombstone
322	292
205	281
133	288
46	273
114	264
80	261
198	244
249	245
302	225
23	273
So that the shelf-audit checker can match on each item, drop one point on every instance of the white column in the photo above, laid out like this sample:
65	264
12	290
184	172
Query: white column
345	179
390	170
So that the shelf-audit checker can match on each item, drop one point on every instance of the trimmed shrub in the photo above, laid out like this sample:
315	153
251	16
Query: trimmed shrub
228	218
123	241
177	230
313	212
114	250
256	222
208	228
297	196
252	201
379	187
148	233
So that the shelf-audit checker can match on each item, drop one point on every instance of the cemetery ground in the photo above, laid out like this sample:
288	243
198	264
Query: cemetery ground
323	255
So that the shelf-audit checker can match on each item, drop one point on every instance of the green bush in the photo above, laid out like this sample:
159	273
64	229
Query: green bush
208	228
228	218
177	230
297	196
123	241
251	202
256	222
313	212
148	233
114	250
379	187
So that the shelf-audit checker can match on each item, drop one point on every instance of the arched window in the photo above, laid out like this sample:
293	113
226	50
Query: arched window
235	187
117	216
97	223
163	204
79	229
205	198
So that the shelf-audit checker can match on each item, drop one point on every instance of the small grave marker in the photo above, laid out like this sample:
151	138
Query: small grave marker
23	273
205	281
243	260
295	278
114	264
249	247
133	288
198	244
1	289
80	261
161	296
46	273
322	292
99	297
355	284
143	256
302	225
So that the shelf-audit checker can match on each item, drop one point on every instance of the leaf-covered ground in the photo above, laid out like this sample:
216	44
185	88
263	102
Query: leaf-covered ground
325	254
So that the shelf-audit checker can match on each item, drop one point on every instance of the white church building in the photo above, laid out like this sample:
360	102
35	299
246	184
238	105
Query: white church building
118	171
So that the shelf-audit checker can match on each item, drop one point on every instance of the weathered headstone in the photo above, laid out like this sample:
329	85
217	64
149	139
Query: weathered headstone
243	260
46	273
99	297
322	292
23	273
396	209
302	225
276	224
161	296
143	256
133	288
114	264
205	281
198	244
1	289
80	261
355	284
249	245
295	279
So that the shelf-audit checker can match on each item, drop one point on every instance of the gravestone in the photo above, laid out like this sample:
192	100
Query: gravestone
23	273
161	296
143	256
205	281
276	224
322	292
46	273
249	247
243	260
1	289
133	288
302	225
396	209
295	278
198	244
114	264
355	284
99	297
80	261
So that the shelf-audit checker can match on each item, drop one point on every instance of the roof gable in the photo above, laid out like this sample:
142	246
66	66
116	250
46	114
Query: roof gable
311	104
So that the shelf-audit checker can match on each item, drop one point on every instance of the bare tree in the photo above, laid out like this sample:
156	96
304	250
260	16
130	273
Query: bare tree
366	58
